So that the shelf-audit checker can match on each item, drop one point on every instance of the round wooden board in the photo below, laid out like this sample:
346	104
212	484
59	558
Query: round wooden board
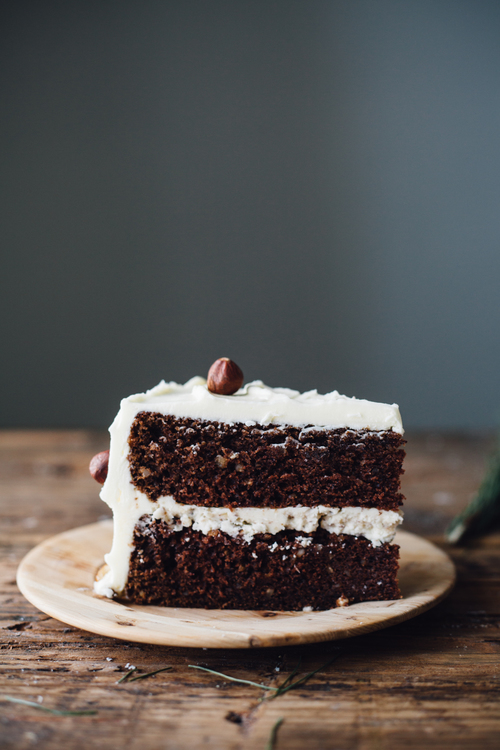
57	577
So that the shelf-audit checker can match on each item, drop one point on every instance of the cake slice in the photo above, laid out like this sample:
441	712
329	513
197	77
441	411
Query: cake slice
255	498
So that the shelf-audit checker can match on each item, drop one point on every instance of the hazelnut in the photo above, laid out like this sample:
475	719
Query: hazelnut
224	377
98	466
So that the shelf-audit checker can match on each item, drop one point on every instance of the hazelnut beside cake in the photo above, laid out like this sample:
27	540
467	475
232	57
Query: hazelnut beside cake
248	497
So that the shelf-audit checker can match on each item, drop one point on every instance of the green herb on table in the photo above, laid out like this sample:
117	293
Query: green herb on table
483	511
272	737
291	675
232	679
287	685
126	676
54	711
149	674
281	689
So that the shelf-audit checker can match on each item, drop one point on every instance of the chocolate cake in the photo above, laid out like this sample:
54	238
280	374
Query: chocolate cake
252	497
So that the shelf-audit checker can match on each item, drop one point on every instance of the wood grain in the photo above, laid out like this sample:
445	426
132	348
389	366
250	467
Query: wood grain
57	577
430	682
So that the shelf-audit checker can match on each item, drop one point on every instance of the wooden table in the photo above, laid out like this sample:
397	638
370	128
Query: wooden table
430	682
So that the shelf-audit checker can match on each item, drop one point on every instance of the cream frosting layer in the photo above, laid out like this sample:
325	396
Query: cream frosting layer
378	526
258	403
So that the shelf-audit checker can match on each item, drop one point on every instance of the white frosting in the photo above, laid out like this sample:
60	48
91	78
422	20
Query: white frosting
376	525
255	403
258	403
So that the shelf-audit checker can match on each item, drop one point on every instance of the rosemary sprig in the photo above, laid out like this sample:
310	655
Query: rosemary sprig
126	675
280	689
274	731
233	679
149	674
54	711
290	676
285	687
483	511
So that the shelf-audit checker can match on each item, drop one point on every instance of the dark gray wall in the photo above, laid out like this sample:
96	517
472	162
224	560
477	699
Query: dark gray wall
311	188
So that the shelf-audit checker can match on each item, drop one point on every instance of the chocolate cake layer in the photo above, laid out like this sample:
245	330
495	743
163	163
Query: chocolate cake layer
286	571
215	464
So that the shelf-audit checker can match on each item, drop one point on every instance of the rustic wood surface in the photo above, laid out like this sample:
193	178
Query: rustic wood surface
429	682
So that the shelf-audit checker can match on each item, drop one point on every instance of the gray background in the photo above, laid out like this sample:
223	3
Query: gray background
311	188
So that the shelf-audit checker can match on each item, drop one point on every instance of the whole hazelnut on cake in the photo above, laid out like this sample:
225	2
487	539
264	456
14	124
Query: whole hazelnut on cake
99	466
224	377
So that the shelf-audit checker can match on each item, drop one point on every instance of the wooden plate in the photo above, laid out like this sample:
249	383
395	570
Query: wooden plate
57	577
